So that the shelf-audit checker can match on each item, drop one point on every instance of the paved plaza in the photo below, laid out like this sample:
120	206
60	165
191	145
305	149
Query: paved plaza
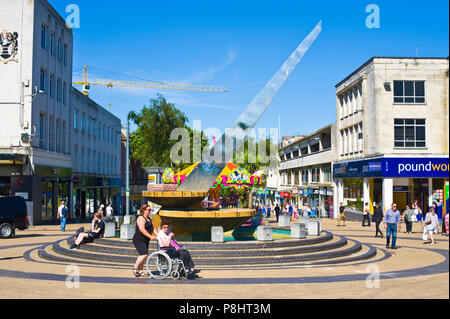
405	273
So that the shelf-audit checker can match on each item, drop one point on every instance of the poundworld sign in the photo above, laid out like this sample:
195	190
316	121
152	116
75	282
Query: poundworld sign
415	167
394	167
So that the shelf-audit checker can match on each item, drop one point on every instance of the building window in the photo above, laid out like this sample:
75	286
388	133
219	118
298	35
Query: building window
58	90
88	125
305	176
44	34
326	171
60	49
52	85
75	158
42	80
82	122
65	54
51	135
304	150
58	136
315	175
63	145
409	91
409	133
314	148
82	163
42	131
88	169
64	93
53	44
75	119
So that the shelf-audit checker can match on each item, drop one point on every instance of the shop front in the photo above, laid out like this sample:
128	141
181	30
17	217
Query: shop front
91	192
386	180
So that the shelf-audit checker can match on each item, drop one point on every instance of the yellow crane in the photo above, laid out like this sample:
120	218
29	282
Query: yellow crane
86	84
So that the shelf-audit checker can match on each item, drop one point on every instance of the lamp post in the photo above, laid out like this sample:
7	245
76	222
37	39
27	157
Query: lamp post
127	178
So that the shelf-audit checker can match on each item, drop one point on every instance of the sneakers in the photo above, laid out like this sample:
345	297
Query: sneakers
74	247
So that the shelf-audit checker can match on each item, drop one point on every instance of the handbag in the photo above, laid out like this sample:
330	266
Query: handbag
413	218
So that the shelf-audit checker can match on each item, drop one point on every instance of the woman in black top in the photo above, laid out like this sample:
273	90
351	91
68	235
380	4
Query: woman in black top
144	232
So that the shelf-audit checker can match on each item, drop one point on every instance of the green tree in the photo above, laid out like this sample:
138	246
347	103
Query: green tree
151	144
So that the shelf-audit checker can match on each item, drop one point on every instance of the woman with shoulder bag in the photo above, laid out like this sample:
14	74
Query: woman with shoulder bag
431	224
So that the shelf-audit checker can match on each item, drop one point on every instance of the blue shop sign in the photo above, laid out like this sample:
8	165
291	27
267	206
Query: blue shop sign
415	167
394	167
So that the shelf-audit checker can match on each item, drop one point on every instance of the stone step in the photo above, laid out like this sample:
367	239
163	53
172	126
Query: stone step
217	260
231	245
334	243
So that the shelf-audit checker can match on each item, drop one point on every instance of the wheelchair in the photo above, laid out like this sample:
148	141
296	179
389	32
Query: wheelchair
161	264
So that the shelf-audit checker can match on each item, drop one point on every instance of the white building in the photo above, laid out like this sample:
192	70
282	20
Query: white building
306	170
96	154
392	132
36	109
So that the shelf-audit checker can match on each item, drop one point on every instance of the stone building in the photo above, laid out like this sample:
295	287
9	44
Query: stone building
392	132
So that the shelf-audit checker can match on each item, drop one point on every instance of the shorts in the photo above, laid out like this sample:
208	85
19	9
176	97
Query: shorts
91	237
141	247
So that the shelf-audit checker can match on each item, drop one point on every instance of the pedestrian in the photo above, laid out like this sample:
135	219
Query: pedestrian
341	214
307	211
269	208
392	224
102	209
109	210
377	218
143	234
366	215
431	226
277	211
417	210
295	212
97	230
63	214
408	213
290	211
77	211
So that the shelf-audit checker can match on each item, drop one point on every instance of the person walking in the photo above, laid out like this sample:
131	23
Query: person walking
341	214
63	214
109	210
143	234
408	213
77	212
391	220
377	218
366	212
277	211
417	210
431	225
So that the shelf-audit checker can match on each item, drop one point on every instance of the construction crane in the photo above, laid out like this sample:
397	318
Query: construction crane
86	85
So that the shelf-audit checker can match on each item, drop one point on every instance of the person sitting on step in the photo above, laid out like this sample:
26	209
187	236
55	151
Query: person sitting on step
98	228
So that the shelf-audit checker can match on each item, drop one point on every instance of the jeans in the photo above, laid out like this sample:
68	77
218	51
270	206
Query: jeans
63	223
391	230
366	217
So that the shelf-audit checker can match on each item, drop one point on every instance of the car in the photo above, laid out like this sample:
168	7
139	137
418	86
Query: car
13	215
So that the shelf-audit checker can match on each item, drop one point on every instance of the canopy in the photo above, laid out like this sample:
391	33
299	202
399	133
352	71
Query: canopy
231	176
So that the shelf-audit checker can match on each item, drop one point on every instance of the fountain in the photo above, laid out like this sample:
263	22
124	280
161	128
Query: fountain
182	206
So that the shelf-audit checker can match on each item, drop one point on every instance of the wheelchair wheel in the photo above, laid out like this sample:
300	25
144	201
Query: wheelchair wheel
175	274
159	265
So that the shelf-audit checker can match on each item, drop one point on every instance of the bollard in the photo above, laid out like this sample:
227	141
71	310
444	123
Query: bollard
298	230
314	227
284	221
264	233
217	234
110	229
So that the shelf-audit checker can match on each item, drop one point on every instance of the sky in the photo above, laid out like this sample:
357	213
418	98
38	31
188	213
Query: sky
239	45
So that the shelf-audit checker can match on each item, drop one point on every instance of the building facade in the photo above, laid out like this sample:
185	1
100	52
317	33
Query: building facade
37	133
35	82
96	155
306	170
392	133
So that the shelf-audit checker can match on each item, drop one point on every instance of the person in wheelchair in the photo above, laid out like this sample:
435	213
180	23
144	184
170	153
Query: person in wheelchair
98	228
167	244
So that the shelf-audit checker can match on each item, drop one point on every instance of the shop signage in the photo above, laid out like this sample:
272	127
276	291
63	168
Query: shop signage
401	189
322	191
415	167
49	171
329	191
152	178
394	167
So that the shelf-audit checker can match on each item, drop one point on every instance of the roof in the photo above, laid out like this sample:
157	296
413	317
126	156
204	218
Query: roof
386	57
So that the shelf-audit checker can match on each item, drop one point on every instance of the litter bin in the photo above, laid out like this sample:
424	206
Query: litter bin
264	233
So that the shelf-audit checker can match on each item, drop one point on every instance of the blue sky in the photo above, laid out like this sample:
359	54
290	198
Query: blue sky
239	45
